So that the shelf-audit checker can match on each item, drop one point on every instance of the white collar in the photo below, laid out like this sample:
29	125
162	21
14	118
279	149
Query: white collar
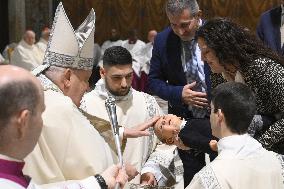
238	77
43	40
238	146
48	84
101	91
182	124
26	45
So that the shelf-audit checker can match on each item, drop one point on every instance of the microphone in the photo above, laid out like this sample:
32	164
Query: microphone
111	110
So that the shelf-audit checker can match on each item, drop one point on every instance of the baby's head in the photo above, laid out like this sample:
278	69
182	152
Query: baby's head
167	128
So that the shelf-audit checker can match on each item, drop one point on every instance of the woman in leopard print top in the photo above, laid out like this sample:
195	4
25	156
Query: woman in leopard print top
231	50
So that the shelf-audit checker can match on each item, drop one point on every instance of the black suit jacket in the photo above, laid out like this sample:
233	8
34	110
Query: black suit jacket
268	29
197	134
166	76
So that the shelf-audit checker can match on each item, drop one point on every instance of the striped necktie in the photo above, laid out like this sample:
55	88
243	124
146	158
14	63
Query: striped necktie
190	65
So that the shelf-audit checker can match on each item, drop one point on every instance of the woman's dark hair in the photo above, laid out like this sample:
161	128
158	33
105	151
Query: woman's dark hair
234	43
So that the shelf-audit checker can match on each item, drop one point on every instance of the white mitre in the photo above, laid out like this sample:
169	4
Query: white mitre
68	48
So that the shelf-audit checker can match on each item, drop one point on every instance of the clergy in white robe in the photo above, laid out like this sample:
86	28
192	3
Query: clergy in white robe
145	54
69	147
26	54
113	41
2	59
142	60
133	44
21	125
241	162
132	108
12	177
42	43
110	43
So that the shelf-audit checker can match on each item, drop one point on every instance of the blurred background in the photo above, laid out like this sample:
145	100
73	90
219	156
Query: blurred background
123	15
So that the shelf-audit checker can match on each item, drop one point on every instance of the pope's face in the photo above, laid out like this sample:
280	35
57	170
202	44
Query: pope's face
79	84
167	128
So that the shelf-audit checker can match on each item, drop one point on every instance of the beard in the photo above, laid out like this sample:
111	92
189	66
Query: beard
120	92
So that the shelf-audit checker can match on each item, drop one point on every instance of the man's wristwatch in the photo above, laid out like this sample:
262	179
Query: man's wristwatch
101	181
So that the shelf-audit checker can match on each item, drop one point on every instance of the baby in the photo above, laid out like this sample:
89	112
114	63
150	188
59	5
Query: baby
194	133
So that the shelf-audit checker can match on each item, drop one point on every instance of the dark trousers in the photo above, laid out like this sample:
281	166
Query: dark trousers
196	134
192	163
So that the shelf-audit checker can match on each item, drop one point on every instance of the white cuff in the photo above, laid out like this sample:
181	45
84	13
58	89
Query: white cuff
154	169
90	183
183	123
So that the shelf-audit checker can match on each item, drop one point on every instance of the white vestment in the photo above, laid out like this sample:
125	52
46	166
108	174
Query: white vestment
135	48
26	56
2	59
88	183
145	56
242	163
69	148
132	109
107	44
14	181
142	59
42	45
142	64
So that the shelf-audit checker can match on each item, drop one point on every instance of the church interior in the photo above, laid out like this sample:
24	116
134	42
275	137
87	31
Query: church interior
142	94
143	15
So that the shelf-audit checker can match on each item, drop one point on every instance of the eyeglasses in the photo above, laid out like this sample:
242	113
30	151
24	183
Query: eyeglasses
183	25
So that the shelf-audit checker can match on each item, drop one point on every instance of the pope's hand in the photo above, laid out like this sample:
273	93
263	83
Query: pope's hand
115	174
140	130
131	171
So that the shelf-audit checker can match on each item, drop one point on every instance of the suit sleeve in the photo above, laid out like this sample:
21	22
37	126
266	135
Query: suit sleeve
259	29
157	76
197	134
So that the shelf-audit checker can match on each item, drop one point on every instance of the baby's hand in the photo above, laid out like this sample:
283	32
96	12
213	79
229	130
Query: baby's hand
213	145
